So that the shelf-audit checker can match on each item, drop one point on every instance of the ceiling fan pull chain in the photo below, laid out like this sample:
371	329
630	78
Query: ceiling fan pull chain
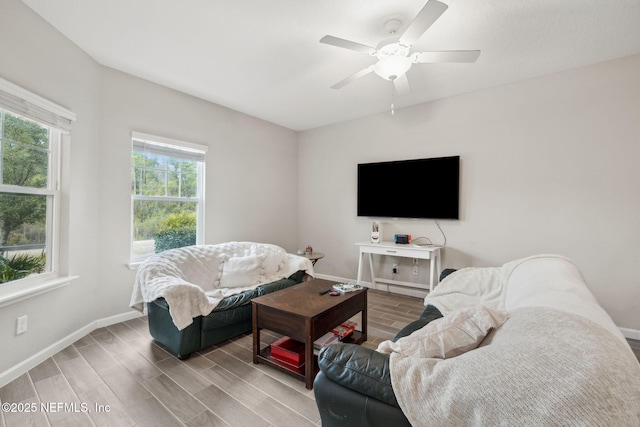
393	108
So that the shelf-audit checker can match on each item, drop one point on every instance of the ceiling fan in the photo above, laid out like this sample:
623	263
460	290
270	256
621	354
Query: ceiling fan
393	55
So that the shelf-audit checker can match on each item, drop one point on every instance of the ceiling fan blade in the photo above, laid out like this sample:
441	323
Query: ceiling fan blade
445	56
353	77
347	44
402	85
421	23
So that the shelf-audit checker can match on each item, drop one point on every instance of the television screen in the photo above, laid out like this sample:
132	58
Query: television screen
420	188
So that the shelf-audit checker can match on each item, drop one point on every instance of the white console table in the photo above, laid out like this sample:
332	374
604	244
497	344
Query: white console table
431	252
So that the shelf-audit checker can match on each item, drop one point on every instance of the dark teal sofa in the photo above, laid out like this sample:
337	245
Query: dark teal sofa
230	318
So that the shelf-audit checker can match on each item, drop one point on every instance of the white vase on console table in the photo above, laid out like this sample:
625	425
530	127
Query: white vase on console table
376	232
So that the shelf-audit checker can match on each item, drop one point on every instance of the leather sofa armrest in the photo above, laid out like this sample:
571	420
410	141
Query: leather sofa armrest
342	407
161	302
299	276
360	369
430	313
446	272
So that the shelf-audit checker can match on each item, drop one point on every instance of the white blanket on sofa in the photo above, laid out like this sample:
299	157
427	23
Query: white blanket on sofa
557	360
485	285
542	367
537	281
189	278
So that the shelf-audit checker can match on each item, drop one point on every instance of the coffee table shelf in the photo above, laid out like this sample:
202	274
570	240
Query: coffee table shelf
265	357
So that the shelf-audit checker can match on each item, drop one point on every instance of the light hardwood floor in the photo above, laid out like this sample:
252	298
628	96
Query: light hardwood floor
122	367
117	376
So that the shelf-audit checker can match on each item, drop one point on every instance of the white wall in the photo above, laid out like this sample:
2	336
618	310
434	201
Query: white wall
548	165
41	60
251	177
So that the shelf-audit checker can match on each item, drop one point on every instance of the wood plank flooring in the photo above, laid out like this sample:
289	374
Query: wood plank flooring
635	346
117	376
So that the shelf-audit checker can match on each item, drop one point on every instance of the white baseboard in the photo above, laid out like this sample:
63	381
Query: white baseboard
14	372
339	279
634	334
122	317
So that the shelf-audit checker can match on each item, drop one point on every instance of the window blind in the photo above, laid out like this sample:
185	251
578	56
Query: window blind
143	143
24	103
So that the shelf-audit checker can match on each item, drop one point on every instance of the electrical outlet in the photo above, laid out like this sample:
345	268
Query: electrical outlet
416	270
21	325
395	268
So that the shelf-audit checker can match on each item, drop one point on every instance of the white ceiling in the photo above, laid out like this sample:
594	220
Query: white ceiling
263	58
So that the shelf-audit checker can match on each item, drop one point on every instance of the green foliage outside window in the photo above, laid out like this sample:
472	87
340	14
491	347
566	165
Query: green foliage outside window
24	162
177	230
163	176
20	266
165	191
25	153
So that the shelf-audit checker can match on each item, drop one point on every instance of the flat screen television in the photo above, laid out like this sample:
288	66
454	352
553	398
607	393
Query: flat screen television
419	188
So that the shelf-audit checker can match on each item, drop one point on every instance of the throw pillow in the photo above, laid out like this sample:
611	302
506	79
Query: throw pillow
458	332
240	271
271	263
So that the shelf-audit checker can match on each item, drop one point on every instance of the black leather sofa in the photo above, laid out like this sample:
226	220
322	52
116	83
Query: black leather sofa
353	387
559	359
230	318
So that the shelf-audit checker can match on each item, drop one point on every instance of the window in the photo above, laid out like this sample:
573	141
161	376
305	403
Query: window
167	194
32	130
28	196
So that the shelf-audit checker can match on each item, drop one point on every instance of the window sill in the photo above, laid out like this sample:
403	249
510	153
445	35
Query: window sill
13	292
133	265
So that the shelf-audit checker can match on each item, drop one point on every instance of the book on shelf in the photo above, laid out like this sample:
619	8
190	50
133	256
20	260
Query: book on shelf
346	287
345	329
325	340
334	336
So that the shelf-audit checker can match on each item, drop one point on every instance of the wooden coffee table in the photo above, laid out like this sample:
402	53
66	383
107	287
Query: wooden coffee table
301	313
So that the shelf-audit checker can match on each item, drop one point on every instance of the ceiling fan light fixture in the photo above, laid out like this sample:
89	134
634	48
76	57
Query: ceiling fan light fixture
392	67
393	54
391	47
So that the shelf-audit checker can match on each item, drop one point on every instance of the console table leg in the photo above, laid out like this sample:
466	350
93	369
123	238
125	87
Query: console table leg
373	277
359	269
431	272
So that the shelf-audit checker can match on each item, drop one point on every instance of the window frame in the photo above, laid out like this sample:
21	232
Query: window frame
51	192
199	153
29	106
